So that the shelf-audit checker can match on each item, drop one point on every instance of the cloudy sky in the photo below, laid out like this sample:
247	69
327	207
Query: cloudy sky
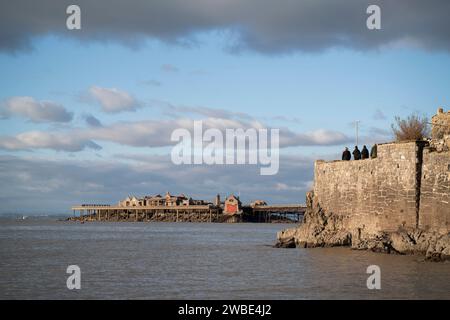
86	115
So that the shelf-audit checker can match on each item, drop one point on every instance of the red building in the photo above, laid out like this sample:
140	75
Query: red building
232	205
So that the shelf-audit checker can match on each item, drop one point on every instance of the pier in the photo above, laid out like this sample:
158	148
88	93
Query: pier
207	213
180	208
267	213
191	213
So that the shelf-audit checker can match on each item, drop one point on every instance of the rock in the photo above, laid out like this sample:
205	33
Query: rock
402	242
439	249
324	229
286	238
287	243
319	229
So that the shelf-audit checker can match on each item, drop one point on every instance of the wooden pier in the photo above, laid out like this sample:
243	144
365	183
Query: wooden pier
187	213
267	213
147	213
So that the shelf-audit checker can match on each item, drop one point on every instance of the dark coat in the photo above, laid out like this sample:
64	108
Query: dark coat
373	151
346	155
365	153
356	154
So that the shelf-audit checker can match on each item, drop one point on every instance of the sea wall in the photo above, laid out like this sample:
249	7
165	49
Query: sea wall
397	202
374	194
435	191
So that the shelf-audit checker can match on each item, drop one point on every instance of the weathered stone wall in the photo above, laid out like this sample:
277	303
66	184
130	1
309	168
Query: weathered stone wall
440	124
407	185
374	194
435	191
398	202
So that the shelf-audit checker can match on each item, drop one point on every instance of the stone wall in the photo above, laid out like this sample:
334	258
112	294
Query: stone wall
435	191
440	124
398	202
373	194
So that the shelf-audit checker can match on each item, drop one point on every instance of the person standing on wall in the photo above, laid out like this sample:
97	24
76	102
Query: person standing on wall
364	153
356	153
373	151
346	155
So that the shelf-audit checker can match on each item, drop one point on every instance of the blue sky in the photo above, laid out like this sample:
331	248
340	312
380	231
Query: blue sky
301	91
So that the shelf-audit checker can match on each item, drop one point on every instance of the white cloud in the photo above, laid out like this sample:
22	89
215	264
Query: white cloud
284	186
35	111
44	140
305	185
113	100
317	137
176	111
153	133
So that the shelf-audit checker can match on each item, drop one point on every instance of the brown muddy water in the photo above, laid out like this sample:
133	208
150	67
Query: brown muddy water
196	261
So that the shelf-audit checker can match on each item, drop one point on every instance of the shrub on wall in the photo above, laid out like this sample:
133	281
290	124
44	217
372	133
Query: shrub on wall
412	128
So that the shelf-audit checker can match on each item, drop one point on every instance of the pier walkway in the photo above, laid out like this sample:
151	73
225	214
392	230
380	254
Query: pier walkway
197	213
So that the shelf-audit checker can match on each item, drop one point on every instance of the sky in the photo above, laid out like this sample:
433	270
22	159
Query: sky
86	115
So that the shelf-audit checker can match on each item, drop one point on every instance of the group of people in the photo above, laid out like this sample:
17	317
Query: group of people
358	155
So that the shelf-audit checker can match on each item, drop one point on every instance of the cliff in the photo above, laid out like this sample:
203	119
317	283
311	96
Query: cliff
398	202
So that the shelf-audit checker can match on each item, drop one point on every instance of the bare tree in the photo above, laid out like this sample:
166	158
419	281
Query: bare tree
412	128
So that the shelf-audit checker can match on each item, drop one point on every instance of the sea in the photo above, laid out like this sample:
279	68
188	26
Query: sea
126	260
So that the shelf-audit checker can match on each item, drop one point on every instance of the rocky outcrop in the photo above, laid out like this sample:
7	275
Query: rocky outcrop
433	245
286	238
325	229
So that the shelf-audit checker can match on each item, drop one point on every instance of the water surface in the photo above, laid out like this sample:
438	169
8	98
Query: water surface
196	261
